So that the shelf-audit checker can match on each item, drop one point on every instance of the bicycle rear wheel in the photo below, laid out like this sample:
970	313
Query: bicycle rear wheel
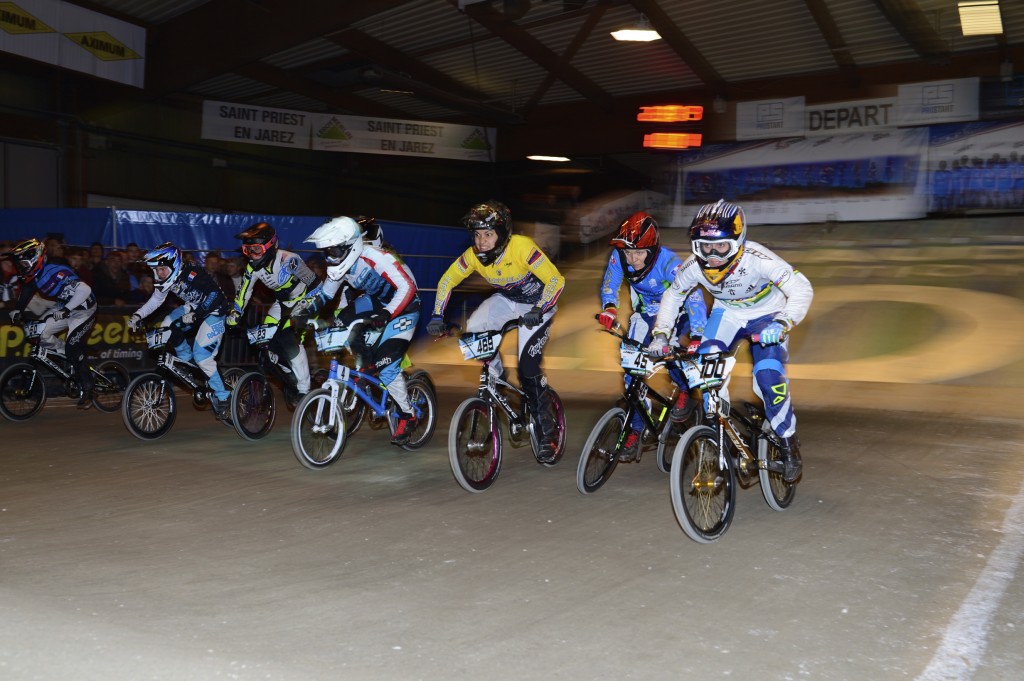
777	492
601	454
148	408
318	430
703	486
111	379
253	406
474	445
424	401
22	391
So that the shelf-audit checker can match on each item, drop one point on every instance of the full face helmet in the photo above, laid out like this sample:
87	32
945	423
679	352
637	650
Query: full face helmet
342	242
29	258
717	236
372	232
490	215
259	243
637	232
165	255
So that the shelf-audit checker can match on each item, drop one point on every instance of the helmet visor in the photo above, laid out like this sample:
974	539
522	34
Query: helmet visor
254	251
24	265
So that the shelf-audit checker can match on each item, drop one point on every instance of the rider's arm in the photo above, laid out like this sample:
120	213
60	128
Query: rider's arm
245	287
453	276
675	297
611	282
400	278
793	284
148	307
545	270
80	292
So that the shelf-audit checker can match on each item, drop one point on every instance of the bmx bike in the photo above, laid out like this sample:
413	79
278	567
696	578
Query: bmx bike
475	437
23	384
733	448
150	406
325	417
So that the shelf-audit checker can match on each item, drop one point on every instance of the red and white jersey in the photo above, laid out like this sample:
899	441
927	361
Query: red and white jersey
379	274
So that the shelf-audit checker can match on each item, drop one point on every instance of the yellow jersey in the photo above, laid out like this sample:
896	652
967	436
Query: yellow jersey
522	273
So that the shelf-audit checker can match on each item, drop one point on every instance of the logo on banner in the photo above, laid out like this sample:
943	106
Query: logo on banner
477	140
333	130
769	115
16	21
103	46
937	98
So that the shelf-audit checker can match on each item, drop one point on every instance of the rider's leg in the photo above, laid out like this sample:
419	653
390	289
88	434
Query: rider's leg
534	383
772	386
80	324
48	337
388	357
204	351
296	356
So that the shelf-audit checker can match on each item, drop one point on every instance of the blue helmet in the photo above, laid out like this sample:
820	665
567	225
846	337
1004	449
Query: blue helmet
164	255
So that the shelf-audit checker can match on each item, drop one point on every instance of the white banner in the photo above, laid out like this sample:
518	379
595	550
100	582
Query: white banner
877	176
231	122
356	134
75	38
848	117
939	101
770	118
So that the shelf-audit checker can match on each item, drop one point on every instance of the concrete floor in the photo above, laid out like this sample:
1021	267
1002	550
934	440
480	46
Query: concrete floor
201	556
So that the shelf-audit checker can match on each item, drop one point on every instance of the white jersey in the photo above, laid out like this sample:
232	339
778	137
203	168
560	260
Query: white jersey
760	284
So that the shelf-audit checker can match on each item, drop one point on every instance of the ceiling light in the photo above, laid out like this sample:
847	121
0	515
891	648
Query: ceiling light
553	159
980	17
640	33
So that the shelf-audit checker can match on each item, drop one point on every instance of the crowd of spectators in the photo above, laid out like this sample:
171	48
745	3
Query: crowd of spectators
119	278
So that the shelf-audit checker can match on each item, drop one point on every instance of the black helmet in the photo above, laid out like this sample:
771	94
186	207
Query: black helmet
372	232
259	243
490	215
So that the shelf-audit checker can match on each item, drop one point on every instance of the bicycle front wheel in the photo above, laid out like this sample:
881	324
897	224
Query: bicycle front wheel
22	392
703	486
148	408
111	379
600	454
318	430
474	445
253	406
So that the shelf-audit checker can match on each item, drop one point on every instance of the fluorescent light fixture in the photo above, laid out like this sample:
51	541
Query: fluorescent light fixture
553	159
641	33
980	17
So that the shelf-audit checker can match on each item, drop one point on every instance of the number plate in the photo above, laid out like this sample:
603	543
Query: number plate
479	345
158	337
33	329
332	338
262	334
633	359
715	369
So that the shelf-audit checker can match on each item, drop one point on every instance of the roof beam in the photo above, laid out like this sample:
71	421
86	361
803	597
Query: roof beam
521	40
834	38
680	44
195	46
913	24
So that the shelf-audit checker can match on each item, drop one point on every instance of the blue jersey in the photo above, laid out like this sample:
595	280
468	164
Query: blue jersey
645	295
59	283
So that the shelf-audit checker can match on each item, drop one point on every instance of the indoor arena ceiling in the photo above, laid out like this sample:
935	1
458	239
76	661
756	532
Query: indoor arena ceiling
515	62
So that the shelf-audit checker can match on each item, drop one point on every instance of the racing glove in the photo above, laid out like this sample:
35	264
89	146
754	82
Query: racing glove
607	318
533	317
774	333
59	313
135	323
659	346
16	316
233	318
378	319
436	326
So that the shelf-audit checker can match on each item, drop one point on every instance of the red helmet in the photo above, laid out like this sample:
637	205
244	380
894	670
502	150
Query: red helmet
638	232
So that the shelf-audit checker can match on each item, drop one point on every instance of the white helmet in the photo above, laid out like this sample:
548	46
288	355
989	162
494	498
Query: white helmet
342	244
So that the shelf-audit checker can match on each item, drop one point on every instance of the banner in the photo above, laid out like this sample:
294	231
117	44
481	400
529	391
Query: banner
333	132
843	177
770	118
976	166
865	115
230	122
75	38
939	101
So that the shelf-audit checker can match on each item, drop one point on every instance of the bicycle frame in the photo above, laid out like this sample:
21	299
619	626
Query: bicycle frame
183	371
713	368
44	356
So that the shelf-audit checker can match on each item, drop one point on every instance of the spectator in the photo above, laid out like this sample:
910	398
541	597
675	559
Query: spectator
319	266
133	263
95	255
110	280
77	260
55	251
233	273
214	265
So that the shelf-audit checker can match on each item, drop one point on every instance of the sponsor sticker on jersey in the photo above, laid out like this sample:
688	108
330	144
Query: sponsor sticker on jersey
534	257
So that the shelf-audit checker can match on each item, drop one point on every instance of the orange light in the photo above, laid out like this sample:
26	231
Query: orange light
672	140
670	113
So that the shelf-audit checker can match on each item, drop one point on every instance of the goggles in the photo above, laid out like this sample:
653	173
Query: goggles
719	248
254	251
335	254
